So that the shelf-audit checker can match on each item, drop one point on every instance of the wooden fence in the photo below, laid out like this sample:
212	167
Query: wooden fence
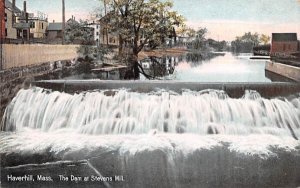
18	55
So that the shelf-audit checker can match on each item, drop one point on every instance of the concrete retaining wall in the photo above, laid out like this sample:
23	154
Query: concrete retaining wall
14	55
284	70
235	90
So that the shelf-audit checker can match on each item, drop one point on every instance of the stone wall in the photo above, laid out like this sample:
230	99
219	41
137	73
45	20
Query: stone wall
21	64
12	80
14	55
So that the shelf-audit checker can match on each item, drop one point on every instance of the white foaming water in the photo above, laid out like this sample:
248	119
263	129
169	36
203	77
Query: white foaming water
131	123
36	142
124	112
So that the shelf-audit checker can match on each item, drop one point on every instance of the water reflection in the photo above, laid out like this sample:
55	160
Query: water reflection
212	67
227	68
196	67
159	67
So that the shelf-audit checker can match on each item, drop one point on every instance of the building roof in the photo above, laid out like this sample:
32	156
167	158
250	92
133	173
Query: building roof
284	37
9	5
55	26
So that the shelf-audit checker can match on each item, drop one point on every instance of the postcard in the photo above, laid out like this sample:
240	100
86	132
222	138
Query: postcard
149	93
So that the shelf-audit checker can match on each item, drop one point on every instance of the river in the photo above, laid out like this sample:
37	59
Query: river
156	139
227	68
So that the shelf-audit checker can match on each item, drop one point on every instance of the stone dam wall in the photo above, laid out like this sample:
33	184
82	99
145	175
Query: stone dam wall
12	80
234	90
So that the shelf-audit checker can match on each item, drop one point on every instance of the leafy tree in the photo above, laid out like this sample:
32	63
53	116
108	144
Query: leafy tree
199	43
217	45
264	39
191	33
250	38
79	32
245	43
187	33
141	22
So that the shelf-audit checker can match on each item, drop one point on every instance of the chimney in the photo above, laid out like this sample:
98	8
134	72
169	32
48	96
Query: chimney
13	3
25	8
13	11
26	18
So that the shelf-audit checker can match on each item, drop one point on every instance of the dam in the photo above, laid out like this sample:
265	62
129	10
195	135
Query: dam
153	134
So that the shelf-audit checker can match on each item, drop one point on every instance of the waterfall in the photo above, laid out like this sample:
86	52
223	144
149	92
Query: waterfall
157	139
126	112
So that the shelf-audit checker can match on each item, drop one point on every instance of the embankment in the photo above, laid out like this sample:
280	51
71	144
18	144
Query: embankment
21	64
285	70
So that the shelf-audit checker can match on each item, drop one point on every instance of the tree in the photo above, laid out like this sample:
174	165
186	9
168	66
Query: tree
245	43
251	38
199	43
217	45
79	32
140	22
186	34
264	39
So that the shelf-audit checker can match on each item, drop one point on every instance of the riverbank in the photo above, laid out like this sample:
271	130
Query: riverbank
291	71
175	52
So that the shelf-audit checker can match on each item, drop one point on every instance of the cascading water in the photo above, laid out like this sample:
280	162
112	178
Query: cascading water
124	112
158	139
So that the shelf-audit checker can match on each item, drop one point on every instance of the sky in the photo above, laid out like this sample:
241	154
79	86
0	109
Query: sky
224	19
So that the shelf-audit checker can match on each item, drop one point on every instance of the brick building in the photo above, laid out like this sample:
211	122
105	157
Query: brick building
284	43
2	19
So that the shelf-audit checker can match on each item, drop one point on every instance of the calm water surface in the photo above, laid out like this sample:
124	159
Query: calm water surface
218	67
227	68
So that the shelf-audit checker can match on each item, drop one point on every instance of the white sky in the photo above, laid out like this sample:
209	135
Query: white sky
225	19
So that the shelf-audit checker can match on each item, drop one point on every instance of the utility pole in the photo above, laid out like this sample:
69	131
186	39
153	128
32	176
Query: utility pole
2	22
106	29
2	30
63	22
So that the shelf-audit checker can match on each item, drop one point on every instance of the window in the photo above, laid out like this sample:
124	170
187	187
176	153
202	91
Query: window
5	17
32	24
5	32
112	40
42	25
19	33
97	33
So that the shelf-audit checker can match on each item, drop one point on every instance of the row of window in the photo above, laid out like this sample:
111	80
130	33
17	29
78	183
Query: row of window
32	24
